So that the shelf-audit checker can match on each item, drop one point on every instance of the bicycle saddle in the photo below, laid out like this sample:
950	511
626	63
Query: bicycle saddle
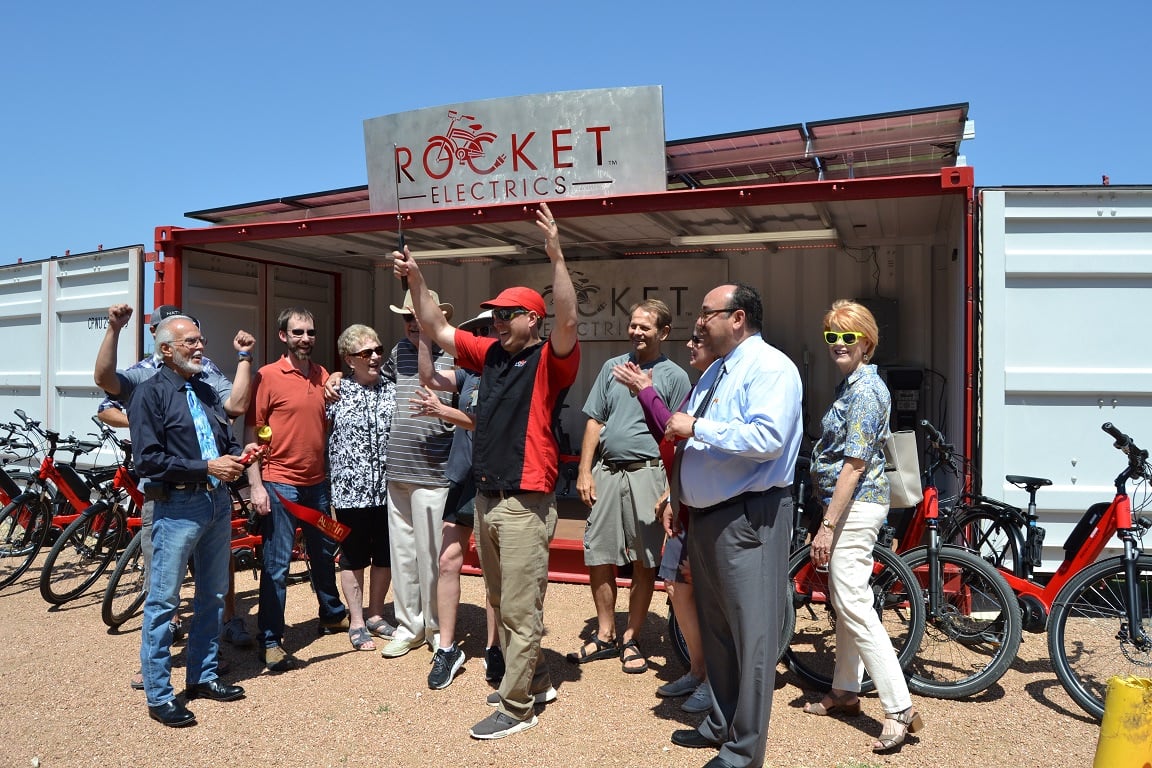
1029	484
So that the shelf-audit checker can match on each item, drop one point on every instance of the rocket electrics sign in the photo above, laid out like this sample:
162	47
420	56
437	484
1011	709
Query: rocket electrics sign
525	149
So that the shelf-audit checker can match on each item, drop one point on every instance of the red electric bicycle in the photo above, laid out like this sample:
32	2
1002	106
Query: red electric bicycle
1098	615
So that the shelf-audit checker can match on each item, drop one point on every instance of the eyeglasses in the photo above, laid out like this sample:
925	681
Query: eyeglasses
481	331
706	314
849	337
365	354
504	314
303	331
695	340
192	343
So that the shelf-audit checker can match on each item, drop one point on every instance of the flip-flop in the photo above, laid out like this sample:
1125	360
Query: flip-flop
631	652
604	650
361	639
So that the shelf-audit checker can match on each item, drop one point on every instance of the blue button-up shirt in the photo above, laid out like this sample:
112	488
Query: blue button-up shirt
855	426
748	437
164	442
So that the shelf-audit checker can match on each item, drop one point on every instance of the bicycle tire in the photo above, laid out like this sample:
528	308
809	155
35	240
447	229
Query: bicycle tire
127	586
24	525
1087	631
811	654
986	531
82	553
969	645
787	628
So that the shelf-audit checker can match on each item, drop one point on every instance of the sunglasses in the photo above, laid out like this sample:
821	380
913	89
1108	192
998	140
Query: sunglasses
504	314
365	354
481	331
303	331
848	337
408	318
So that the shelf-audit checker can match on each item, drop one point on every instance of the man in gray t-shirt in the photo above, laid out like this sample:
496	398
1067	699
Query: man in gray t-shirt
621	478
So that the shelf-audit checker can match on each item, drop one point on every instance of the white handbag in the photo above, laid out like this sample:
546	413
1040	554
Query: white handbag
902	468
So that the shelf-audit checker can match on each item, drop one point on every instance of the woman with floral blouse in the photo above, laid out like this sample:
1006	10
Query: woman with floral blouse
848	475
357	456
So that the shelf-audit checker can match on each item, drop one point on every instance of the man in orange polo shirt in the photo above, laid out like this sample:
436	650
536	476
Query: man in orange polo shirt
288	396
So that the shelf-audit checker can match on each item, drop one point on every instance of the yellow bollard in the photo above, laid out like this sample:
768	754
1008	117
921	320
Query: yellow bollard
1126	730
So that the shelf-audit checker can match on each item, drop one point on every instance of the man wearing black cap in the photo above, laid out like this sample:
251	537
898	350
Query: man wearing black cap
515	460
111	410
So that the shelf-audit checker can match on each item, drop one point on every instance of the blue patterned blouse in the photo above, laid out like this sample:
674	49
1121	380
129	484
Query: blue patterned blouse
855	425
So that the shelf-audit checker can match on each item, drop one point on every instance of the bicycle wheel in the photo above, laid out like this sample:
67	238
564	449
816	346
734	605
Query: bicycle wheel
82	553
23	530
128	585
1088	630
985	531
787	627
811	654
972	636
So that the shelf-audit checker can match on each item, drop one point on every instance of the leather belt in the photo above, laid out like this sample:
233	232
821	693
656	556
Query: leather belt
740	499
630	466
503	493
191	487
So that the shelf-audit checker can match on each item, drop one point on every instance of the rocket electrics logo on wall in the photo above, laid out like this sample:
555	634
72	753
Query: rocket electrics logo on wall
525	149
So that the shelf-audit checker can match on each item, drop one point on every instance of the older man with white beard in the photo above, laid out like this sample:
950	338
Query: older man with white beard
183	448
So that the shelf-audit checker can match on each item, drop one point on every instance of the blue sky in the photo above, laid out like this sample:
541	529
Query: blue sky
119	117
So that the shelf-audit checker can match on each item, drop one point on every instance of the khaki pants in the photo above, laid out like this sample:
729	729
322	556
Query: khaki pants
415	533
512	536
862	642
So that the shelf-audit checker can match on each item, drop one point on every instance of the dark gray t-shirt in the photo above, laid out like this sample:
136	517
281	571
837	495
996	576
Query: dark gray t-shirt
460	458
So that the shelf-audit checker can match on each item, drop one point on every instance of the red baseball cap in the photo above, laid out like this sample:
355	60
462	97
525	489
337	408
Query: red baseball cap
518	296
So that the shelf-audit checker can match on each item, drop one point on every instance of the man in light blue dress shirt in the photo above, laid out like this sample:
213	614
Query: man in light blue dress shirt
742	428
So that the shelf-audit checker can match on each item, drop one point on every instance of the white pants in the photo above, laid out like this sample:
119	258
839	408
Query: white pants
862	643
415	532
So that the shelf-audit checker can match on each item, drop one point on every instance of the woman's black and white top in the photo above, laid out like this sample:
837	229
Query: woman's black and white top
358	443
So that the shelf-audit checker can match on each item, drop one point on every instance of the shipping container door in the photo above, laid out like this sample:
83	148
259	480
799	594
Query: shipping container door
53	315
227	294
1066	281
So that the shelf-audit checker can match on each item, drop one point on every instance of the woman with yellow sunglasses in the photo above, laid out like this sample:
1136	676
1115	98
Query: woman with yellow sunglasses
848	475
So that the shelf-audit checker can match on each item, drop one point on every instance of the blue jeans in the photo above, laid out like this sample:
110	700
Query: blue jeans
279	532
194	525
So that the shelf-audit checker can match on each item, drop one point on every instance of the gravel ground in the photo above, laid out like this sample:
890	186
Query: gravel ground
65	701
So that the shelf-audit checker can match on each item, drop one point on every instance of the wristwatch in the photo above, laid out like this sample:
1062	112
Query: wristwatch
827	523
243	355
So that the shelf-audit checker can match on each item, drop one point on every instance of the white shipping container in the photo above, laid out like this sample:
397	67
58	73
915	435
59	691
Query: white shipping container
53	315
1066	281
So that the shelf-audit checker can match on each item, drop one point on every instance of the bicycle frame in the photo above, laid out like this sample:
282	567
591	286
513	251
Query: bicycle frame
1116	520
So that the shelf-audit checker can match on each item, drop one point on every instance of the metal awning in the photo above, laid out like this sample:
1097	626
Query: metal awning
889	144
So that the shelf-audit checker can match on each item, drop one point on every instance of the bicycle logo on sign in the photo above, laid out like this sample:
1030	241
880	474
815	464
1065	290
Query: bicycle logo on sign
464	142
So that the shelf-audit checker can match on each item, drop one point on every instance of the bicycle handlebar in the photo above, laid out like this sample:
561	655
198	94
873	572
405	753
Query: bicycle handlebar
1123	442
933	433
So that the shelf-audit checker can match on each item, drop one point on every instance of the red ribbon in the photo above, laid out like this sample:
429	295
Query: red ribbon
328	526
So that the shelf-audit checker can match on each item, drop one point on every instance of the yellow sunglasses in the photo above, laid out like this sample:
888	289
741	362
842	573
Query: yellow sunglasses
848	337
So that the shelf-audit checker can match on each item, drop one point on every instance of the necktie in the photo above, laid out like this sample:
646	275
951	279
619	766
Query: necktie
674	475
208	449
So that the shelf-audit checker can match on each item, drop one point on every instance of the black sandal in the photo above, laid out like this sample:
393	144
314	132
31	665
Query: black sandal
605	649
631	652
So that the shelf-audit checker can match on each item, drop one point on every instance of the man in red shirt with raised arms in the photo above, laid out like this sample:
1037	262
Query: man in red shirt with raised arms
515	459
